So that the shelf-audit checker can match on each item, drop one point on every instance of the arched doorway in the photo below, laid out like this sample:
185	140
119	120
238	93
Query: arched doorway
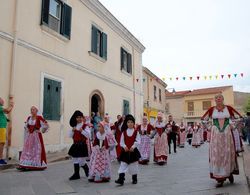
96	102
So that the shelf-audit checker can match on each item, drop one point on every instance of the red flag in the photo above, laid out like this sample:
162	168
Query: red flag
198	77
137	80
177	78
222	76
229	75
241	74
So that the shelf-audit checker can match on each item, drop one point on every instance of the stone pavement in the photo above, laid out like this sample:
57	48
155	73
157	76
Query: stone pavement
246	162
185	174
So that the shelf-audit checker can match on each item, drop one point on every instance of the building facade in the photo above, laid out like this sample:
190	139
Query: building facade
189	106
63	55
154	94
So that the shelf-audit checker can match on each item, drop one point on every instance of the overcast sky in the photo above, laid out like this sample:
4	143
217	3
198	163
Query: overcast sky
191	38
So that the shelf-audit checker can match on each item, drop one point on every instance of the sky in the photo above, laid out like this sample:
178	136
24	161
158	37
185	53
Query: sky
190	38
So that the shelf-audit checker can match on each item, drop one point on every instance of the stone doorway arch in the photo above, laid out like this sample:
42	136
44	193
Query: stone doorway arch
96	102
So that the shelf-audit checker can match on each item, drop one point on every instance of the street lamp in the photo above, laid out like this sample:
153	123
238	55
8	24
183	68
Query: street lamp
173	90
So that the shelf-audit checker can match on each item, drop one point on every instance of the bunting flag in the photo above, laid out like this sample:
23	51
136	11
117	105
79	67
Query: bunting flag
198	77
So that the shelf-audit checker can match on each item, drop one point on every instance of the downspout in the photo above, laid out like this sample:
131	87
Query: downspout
133	69
12	77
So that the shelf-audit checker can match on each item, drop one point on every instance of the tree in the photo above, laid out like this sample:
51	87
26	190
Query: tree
247	105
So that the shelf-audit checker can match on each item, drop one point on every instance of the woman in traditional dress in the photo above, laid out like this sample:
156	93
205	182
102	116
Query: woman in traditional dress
182	135
196	140
33	156
145	130
161	141
201	130
110	134
222	155
79	150
100	162
190	134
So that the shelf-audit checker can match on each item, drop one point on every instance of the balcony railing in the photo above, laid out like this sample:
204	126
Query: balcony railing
194	114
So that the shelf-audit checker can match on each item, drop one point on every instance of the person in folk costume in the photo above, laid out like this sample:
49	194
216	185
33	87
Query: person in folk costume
222	155
182	135
204	132
118	133
189	134
33	156
145	131
208	127
160	141
100	162
79	149
3	126
196	140
237	126
201	131
130	141
172	133
110	133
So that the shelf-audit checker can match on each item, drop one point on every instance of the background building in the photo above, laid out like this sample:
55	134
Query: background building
154	94
65	55
189	106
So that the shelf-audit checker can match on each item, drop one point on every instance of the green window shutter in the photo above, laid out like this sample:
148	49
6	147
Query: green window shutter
94	39
122	65
66	20
45	12
104	46
47	98
56	100
125	107
129	63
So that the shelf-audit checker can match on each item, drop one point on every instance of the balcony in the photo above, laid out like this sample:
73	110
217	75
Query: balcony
194	114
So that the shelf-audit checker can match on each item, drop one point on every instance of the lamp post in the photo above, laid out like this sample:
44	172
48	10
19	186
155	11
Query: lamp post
173	90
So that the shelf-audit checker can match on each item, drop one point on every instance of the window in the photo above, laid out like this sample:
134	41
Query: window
160	95
206	105
99	43
190	106
125	107
155	93
57	16
52	99
126	61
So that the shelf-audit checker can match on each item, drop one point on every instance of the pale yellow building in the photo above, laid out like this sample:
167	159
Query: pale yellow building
189	106
63	55
154	94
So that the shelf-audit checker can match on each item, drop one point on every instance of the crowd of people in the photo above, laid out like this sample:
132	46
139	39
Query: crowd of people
97	142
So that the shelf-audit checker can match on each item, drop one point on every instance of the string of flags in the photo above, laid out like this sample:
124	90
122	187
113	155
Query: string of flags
205	77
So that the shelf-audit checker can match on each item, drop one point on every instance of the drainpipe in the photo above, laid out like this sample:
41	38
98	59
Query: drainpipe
12	77
133	58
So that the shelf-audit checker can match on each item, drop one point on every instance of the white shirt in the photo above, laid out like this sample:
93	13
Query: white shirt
221	115
130	132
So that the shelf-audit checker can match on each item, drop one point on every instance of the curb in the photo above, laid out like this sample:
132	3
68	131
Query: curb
14	165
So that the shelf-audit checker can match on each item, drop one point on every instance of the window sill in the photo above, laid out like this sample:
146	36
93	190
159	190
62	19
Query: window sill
55	34
126	73
97	57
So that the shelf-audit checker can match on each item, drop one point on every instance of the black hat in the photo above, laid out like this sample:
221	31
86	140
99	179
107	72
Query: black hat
128	117
73	121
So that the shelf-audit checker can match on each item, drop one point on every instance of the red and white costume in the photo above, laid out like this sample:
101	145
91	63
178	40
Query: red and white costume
160	143
222	155
33	155
144	147
110	134
196	140
182	136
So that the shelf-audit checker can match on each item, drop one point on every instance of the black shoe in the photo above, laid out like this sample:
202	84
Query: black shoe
231	179
175	151
76	174
86	170
121	179
134	179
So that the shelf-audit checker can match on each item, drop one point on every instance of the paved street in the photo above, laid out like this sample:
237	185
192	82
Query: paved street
186	173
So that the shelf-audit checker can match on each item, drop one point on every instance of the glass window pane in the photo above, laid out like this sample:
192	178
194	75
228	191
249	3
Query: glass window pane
54	8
